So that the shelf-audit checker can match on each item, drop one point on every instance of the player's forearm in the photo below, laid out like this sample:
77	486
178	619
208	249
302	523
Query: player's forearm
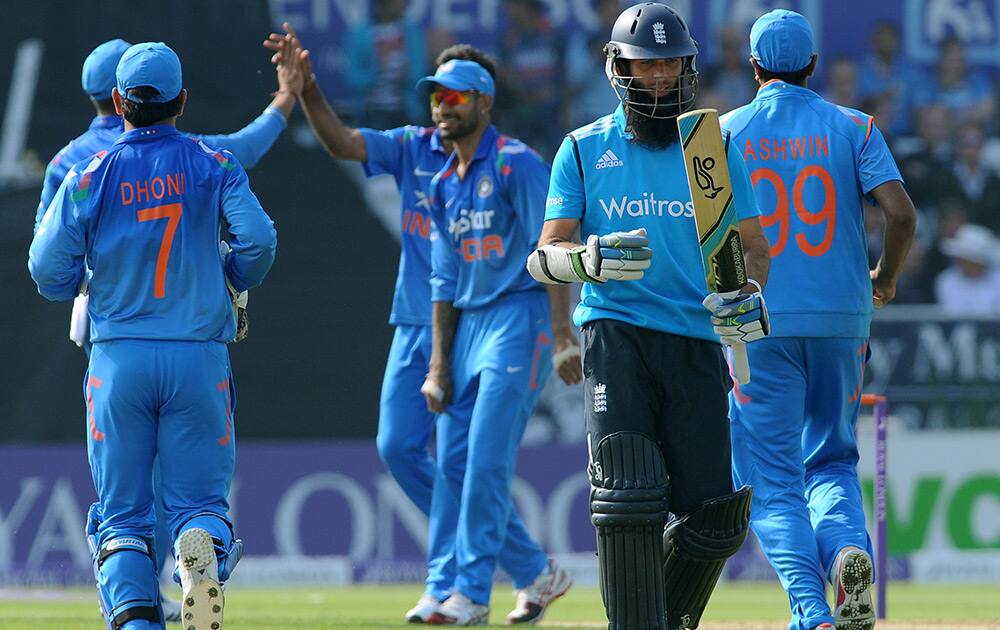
559	306
900	224
756	252
339	140
284	102
444	322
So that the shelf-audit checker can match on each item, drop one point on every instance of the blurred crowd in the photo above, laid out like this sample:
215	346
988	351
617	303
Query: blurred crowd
940	120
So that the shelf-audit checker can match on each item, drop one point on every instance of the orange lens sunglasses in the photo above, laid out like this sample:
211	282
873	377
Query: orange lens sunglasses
450	97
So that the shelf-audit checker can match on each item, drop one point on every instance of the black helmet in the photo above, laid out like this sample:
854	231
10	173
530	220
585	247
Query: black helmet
652	31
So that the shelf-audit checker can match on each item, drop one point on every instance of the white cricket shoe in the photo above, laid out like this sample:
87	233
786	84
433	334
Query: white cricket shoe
171	609
426	606
459	610
202	600
533	601
852	580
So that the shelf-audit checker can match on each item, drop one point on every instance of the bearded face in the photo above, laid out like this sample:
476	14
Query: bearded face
655	92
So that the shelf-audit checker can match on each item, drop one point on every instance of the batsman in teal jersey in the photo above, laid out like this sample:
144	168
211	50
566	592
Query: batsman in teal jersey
140	223
812	164
655	377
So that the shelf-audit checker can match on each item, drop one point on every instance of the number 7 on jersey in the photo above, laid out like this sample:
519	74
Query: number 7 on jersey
714	213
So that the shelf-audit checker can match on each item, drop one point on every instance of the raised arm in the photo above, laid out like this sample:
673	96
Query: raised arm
339	140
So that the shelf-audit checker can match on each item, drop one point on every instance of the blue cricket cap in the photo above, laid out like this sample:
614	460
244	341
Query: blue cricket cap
152	64
781	41
461	75
98	77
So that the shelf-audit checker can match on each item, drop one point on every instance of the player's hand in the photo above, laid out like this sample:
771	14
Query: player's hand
614	256
238	298
566	356
437	389
292	61
883	288
740	320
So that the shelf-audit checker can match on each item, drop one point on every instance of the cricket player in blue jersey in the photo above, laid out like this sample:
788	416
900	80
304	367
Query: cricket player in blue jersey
413	155
140	224
492	341
812	164
248	145
656	380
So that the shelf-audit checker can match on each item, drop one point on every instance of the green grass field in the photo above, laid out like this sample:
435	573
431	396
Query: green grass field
734	607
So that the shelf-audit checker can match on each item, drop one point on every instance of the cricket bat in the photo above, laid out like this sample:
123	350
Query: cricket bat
715	213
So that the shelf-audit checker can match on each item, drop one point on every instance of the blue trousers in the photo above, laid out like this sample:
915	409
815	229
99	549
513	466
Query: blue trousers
501	357
793	441
168	400
404	431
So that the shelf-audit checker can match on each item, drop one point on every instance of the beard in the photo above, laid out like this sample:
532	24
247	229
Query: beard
654	133
461	127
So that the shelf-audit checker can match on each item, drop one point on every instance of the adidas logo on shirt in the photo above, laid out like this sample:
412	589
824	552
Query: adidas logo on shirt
608	160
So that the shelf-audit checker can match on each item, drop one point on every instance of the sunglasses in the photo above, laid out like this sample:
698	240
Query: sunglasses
451	97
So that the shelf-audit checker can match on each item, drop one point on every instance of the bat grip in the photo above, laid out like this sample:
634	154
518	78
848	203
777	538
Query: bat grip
741	365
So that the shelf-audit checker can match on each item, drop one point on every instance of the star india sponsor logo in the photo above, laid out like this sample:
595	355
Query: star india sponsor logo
600	398
648	205
608	160
469	219
659	34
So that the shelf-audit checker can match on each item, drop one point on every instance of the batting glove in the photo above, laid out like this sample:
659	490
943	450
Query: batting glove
738	320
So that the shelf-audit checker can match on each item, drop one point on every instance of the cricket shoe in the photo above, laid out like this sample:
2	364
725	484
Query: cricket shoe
426	606
202	601
171	609
459	610
533	601
852	580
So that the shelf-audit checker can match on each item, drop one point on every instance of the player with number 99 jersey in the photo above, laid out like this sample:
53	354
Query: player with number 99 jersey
813	164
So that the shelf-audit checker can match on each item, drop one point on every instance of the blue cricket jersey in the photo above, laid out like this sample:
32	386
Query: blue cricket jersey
613	184
412	155
488	222
812	163
144	217
248	144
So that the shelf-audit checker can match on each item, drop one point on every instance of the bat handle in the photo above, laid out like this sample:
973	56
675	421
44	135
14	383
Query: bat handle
741	365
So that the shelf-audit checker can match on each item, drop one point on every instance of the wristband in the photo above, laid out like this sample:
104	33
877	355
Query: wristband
565	354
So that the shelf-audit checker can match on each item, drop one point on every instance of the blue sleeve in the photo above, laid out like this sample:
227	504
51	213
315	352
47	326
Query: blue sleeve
58	251
875	163
566	199
385	151
251	232
526	187
250	143
53	177
739	176
444	258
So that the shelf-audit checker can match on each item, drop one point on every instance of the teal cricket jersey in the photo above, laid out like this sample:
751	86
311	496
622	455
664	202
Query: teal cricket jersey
618	185
812	163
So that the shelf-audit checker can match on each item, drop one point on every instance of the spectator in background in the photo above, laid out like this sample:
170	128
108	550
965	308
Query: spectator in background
589	88
885	76
842	83
971	285
388	55
966	94
971	181
531	62
727	81
927	155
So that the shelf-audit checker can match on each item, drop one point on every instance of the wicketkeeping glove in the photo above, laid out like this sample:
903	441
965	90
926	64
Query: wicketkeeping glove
239	300
740	320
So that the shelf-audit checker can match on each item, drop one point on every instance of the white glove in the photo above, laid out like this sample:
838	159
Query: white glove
615	256
741	319
239	299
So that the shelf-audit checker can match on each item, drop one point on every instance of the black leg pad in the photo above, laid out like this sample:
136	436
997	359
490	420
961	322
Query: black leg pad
628	507
696	547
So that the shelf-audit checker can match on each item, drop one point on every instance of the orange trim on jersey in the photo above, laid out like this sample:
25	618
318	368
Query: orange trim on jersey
223	386
92	382
769	82
541	340
871	123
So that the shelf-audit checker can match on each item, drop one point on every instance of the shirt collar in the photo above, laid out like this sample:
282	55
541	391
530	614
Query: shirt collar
486	143
779	87
436	144
143	134
107	122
